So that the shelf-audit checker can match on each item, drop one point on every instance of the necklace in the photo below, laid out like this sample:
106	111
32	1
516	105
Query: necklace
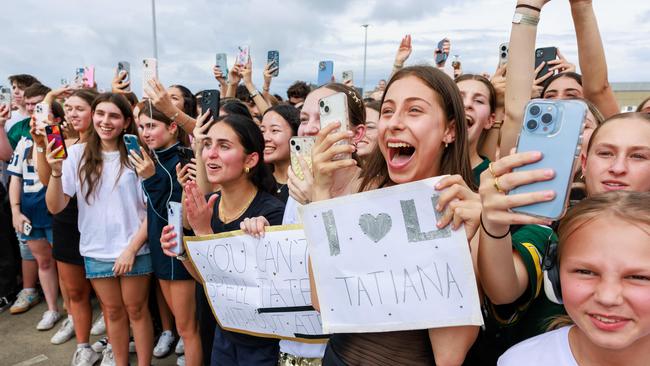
223	217
279	187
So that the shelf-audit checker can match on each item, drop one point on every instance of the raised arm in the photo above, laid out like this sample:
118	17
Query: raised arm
247	74
591	56
520	76
403	53
55	199
158	95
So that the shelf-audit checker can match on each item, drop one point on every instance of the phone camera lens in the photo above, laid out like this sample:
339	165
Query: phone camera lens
327	109
298	148
503	55
539	53
503	48
321	103
547	118
531	125
292	142
534	110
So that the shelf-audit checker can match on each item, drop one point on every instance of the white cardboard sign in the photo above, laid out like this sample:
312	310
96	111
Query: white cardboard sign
258	286
381	264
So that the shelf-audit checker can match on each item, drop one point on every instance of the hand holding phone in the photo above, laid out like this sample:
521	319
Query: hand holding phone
131	143
273	58
335	109
244	55
125	66
210	100
175	218
545	54
503	53
27	228
54	133
302	146
442	52
185	155
41	114
554	128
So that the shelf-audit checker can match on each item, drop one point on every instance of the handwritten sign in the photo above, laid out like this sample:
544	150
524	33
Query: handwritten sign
258	286
381	264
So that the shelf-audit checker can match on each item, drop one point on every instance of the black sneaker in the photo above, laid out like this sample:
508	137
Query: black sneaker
5	302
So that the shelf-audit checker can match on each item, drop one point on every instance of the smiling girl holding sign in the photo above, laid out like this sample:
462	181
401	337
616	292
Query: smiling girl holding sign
422	134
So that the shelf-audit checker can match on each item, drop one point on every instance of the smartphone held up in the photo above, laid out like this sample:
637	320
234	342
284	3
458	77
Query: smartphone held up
554	128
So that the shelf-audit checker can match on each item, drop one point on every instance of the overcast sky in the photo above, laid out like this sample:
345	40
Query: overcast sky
49	39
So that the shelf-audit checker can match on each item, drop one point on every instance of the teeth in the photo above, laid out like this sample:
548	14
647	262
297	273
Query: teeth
614	184
605	320
394	145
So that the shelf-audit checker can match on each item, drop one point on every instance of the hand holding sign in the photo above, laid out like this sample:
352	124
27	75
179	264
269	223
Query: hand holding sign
380	262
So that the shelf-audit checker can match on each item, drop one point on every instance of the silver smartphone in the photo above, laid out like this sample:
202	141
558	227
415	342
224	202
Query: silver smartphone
175	218
335	109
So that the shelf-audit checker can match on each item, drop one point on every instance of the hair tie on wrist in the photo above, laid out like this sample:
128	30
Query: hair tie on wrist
528	7
489	234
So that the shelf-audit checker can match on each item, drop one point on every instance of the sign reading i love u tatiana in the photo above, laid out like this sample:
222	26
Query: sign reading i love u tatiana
381	264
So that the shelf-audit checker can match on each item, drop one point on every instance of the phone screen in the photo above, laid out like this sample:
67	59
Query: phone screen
54	134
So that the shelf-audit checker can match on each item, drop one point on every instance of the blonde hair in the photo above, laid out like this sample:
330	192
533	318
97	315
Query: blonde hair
632	207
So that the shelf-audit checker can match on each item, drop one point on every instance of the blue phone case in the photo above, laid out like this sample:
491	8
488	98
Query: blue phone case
555	128
131	143
441	57
325	72
274	56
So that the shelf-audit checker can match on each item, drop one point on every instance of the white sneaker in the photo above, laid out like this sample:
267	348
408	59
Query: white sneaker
107	357
50	318
84	356
164	344
65	332
180	346
100	345
131	345
99	326
180	361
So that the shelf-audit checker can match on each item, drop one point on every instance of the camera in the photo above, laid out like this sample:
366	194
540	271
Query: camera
532	125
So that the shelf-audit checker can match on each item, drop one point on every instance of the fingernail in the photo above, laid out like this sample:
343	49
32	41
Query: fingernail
549	173
536	154
437	207
437	186
549	194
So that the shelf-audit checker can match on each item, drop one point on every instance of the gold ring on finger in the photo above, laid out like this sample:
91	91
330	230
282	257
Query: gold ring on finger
497	186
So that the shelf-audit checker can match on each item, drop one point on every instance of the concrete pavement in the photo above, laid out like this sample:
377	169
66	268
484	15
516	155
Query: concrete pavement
22	345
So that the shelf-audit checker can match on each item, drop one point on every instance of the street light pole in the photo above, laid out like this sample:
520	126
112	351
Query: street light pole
155	38
365	53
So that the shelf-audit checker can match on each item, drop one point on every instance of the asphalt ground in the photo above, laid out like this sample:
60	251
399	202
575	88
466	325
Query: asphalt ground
22	345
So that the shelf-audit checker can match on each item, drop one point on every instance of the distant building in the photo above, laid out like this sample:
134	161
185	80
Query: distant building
629	95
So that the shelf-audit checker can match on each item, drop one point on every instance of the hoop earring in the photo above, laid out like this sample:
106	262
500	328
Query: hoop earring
247	170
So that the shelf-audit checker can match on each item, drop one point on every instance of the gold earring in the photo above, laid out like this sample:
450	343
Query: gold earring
247	170
446	145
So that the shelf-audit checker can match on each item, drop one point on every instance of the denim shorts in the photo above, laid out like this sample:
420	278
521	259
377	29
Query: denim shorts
38	233
25	252
104	269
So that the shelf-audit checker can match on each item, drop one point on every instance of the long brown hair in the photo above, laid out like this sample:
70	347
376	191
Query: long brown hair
92	161
455	157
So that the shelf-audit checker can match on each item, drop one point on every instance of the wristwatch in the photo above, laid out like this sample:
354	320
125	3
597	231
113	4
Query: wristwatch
40	150
520	18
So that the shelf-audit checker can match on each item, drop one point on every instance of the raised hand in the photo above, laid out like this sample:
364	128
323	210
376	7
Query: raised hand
118	85
498	81
538	84
186	173
459	204
561	64
198	211
301	188
144	165
403	51
323	153
158	95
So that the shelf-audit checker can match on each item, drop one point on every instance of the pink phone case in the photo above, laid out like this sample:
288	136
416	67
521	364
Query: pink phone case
89	76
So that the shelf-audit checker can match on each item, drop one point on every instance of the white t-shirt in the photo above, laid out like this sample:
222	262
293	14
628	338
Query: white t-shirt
299	349
16	117
548	349
116	209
